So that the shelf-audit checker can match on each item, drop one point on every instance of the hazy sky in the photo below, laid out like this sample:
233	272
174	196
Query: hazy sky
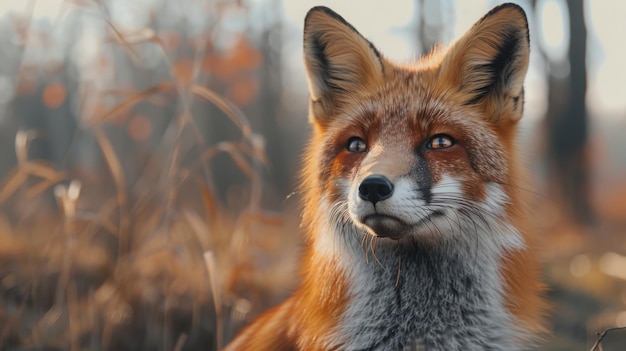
387	24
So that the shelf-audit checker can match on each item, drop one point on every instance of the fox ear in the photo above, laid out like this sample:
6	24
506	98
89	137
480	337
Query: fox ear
340	63
489	63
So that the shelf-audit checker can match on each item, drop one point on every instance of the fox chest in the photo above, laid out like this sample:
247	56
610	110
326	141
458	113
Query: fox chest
423	305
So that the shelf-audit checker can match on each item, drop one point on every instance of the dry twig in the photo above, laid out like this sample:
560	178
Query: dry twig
597	346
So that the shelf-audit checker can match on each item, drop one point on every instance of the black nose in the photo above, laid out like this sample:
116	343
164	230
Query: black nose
375	188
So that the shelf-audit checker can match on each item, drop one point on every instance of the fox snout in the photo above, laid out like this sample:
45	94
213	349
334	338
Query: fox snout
375	188
372	207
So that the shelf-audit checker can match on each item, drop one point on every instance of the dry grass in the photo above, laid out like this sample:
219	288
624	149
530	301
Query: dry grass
126	275
144	270
158	264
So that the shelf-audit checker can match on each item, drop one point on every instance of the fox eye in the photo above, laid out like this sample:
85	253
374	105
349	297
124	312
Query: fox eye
356	145
440	141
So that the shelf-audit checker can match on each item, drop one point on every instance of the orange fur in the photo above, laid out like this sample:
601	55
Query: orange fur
350	78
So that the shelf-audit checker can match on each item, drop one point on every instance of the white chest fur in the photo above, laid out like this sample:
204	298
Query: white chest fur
415	296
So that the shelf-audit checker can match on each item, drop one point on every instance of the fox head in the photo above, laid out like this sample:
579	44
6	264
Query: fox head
415	151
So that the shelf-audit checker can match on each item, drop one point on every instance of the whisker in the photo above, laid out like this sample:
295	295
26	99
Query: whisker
369	243
399	268
515	186
373	245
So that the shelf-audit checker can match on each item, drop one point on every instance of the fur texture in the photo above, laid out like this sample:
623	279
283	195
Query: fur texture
413	209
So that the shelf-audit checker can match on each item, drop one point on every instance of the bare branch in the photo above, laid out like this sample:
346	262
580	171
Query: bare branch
597	345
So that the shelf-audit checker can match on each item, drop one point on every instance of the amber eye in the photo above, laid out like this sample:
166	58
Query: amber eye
356	145
440	141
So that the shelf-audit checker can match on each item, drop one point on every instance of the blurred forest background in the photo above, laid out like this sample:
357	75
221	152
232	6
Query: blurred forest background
149	151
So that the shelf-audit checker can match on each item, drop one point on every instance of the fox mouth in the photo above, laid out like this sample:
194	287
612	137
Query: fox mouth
392	227
385	226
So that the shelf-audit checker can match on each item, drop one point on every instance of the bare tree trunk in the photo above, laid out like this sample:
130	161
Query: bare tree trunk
269	101
430	25
567	124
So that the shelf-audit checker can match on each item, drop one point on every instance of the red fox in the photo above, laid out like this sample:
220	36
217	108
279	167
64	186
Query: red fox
416	234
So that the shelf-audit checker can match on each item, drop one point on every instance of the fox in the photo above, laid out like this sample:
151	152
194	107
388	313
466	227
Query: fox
416	224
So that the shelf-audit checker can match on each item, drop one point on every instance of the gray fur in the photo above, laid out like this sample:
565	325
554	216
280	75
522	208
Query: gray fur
416	294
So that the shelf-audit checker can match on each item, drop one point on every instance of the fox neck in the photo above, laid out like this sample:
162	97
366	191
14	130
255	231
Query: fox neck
440	296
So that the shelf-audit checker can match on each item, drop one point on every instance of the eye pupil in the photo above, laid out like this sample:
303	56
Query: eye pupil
440	142
356	145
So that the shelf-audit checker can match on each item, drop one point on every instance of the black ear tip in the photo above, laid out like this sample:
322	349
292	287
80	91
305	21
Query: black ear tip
507	6
317	9
514	12
325	11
